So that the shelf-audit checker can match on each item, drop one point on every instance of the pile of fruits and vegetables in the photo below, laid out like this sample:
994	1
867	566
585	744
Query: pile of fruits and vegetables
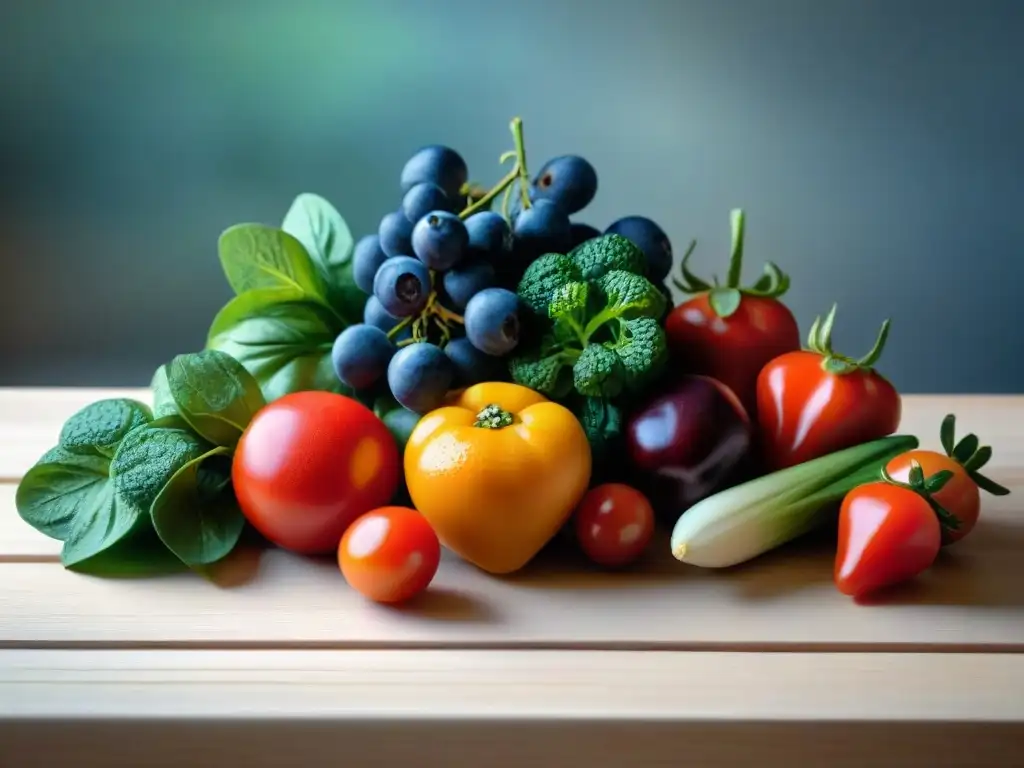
485	373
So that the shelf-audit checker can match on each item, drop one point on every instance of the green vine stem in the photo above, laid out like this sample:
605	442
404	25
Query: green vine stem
926	487
434	313
819	340
969	454
725	299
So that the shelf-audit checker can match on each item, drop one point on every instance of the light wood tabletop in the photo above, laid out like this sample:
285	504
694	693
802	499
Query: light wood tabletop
274	661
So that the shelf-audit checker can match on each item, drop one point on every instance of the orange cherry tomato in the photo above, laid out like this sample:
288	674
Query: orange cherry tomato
887	534
614	524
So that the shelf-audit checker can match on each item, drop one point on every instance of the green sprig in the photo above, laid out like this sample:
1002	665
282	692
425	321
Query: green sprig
819	340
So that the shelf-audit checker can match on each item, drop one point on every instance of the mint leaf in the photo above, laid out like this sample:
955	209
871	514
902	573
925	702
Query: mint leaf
99	427
163	402
196	514
316	224
70	497
256	256
215	394
147	459
283	342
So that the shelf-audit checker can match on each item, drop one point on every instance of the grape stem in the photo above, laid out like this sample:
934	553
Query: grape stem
434	311
517	173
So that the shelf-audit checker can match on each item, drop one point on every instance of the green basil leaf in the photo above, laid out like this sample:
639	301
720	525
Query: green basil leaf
257	256
196	514
163	401
147	459
286	345
316	224
99	427
215	394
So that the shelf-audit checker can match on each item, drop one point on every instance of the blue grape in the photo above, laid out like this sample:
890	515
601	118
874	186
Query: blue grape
366	260
543	228
489	234
471	365
395	233
439	240
419	376
424	198
374	314
568	180
465	280
438	165
492	321
402	286
580	233
360	355
649	238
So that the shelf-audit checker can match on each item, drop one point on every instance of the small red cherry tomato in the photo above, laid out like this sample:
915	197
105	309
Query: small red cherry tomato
390	554
614	524
310	463
887	534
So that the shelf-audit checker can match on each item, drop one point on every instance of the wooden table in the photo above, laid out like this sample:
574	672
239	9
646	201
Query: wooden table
277	663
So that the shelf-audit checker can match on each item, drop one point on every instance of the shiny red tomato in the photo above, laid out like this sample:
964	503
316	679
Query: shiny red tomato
729	332
813	402
389	555
309	464
960	497
887	534
614	524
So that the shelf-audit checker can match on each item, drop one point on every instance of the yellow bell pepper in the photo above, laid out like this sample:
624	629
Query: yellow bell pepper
497	472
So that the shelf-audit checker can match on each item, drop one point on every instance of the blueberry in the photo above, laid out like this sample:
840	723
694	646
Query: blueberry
580	233
374	314
465	280
489	234
402	286
366	260
649	238
395	233
439	240
543	228
360	355
437	165
569	181
471	365
424	198
492	321
419	376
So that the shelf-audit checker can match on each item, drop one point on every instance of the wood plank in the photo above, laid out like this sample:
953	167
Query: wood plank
20	542
443	708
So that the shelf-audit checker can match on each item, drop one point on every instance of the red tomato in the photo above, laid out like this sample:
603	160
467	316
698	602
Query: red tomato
887	534
814	402
728	332
960	497
614	524
390	554
309	464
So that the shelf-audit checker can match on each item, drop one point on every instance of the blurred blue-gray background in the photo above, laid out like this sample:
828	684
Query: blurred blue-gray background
877	146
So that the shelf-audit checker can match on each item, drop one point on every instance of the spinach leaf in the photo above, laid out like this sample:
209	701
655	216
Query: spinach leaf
147	459
70	497
257	256
99	427
196	514
215	394
316	224
139	554
163	402
285	343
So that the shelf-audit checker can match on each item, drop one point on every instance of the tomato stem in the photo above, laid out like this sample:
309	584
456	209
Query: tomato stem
819	340
969	454
925	487
493	416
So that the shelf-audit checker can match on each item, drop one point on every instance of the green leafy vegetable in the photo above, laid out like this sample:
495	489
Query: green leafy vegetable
284	342
163	402
147	459
99	427
196	514
215	394
256	256
316	224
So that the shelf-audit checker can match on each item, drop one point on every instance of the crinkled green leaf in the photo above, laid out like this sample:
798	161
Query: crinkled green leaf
100	426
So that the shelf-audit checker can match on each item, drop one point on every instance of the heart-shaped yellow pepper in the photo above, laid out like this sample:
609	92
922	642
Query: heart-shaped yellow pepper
497	472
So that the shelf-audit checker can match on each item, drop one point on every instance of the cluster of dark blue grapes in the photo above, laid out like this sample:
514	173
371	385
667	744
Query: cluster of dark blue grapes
441	270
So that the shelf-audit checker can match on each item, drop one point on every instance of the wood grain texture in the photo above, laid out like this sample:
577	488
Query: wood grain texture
558	665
